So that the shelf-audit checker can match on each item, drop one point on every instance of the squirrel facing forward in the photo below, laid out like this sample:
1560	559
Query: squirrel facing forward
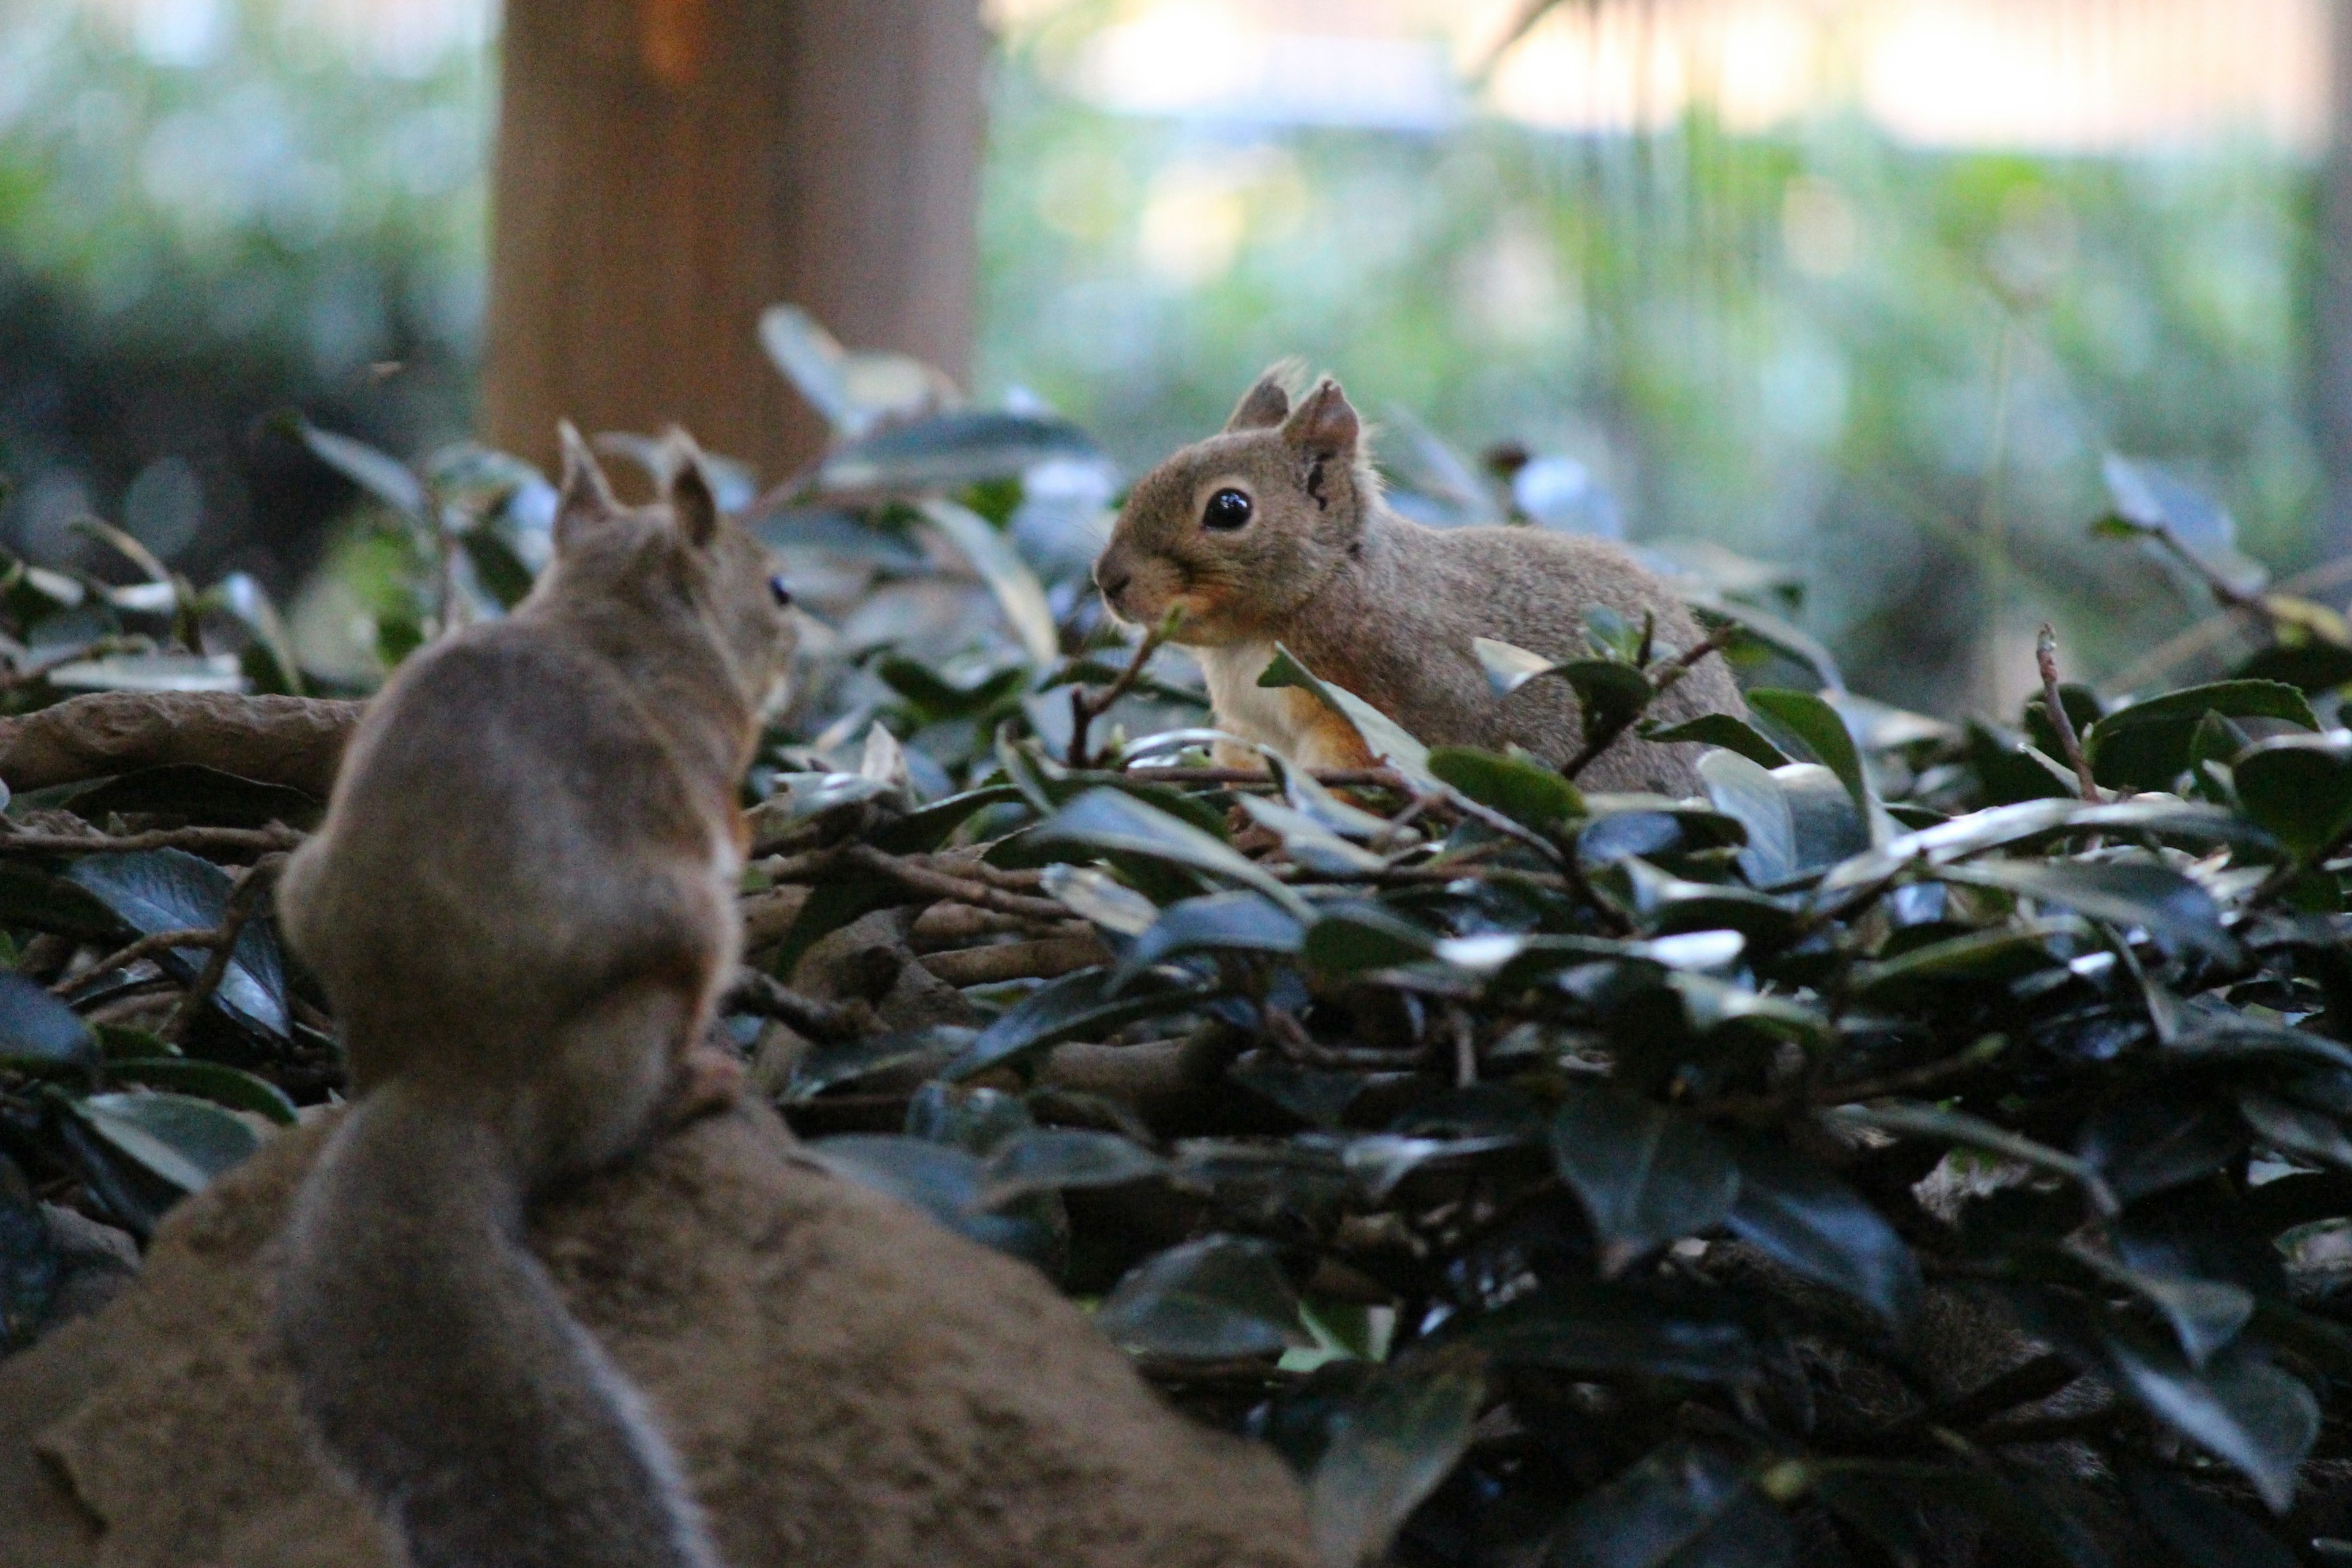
522	904
1274	530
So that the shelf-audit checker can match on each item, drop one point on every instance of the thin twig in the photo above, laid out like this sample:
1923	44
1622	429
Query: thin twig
242	899
145	947
1336	778
1086	707
272	840
2045	654
765	997
827	865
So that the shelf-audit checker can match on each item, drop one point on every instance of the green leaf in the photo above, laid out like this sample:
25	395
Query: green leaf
1681	1507
940	1179
1609	695
2299	788
921	832
182	1141
1311	845
1646	1175
831	1063
1386	739
221	1084
2294	1130
1825	826
1109	821
1098	897
1017	587
2146	745
1219	922
496	567
1353	938
2144	893
2201	1528
1509	667
37	1030
2030	821
2205	1315
1589	1327
1049	1159
1721	730
1076	1007
1818	725
170	889
1746	791
1220	1297
1794	1212
1398	1441
33	897
1520	787
951	451
377	472
2241	1409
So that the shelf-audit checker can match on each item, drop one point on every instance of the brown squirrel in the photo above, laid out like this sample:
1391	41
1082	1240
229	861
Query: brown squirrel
1274	531
522	904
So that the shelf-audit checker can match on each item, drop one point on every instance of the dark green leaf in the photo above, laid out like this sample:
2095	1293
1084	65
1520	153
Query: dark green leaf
380	474
1237	921
1049	1159
1681	1507
1386	738
2299	788
1399	1440
1800	1215
2203	1530
32	898
1587	1327
2144	893
1220	1297
2146	1143
1646	1175
948	451
2239	1408
39	1031
1077	1006
1520	787
170	889
1108	821
1975	1133
496	567
1356	937
181	1141
221	1084
940	1179
1722	730
2146	745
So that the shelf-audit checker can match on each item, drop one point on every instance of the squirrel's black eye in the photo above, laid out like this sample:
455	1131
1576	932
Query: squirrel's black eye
1226	509
781	590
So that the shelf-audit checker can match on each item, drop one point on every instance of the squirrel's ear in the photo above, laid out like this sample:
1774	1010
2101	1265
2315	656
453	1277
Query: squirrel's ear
1323	426
693	504
584	497
1263	406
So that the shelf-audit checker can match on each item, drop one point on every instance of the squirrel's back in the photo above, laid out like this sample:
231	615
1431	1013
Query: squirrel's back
521	904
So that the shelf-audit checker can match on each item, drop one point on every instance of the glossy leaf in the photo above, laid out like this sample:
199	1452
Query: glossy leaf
1016	588
1221	922
2146	745
216	1081
2299	788
2241	1409
1520	787
180	1140
1050	1159
2143	893
37	1030
1681	1507
1220	1297
1646	1175
1109	821
1796	1213
1399	1438
1722	730
170	889
1386	739
1077	1006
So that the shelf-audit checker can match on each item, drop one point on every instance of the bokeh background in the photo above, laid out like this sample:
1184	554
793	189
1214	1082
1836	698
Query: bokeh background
1866	290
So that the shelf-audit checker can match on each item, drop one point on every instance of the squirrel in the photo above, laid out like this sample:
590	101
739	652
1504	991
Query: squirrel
1274	531
522	903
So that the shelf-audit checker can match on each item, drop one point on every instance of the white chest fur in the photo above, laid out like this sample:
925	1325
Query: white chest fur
1291	722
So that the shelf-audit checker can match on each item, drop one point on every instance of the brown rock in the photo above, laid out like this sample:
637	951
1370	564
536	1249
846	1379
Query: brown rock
847	1382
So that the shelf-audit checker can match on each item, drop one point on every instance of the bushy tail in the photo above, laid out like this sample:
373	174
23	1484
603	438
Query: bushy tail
436	1363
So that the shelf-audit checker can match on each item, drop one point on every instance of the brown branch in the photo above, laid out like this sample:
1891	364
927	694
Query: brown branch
292	740
1337	778
275	838
1086	707
915	877
145	947
1044	959
2045	654
765	997
242	899
946	925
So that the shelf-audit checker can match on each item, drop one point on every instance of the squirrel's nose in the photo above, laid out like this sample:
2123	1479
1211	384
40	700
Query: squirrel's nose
1112	583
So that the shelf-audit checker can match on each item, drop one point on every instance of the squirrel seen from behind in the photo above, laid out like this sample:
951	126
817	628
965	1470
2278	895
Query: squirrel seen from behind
521	902
1274	530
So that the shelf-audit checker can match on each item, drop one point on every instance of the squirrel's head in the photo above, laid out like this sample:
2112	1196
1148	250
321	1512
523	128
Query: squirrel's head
1239	530
694	571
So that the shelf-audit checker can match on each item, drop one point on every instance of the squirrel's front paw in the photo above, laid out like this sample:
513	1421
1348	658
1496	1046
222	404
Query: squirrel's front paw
710	1077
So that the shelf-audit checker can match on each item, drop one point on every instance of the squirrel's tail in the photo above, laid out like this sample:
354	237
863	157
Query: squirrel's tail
437	1361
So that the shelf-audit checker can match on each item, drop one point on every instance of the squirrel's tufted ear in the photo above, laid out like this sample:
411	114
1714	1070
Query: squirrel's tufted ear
1264	405
585	495
1323	426
693	504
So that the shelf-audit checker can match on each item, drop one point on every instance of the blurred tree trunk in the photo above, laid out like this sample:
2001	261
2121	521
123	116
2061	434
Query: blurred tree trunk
2331	302
667	168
